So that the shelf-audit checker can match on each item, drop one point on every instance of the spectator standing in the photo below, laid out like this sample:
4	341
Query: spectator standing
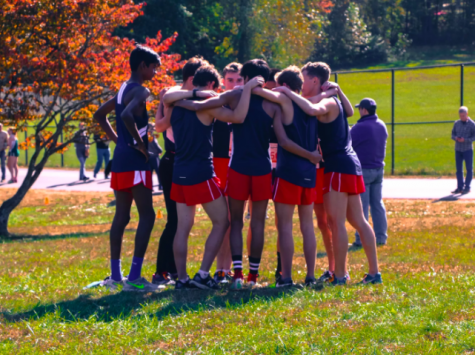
463	134
369	136
103	154
154	151
3	150
82	150
13	154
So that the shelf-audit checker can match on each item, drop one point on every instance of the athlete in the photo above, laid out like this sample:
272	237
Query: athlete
343	175
221	156
166	273
131	177
310	93
295	178
250	167
194	180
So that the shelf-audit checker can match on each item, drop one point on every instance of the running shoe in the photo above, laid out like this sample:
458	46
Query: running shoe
252	279
237	284
222	278
327	276
368	279
338	282
180	285
162	279
466	191
207	283
140	285
284	282
111	284
456	191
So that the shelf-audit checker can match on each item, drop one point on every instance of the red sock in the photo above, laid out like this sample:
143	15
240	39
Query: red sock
238	274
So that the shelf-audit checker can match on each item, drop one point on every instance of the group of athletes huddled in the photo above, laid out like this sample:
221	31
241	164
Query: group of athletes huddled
218	155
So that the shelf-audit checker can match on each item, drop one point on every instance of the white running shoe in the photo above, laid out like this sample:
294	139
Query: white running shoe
111	284
140	285
237	284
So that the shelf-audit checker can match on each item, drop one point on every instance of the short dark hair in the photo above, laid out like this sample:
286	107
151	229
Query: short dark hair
272	73
232	68
143	54
206	74
192	65
255	67
292	76
371	111
318	69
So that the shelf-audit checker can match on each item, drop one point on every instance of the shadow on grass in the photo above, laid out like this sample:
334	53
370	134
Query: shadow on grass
25	238
123	305
448	198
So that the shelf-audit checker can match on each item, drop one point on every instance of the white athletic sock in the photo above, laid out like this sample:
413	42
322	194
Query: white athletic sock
203	274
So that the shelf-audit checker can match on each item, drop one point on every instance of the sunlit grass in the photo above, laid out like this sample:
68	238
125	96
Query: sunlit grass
426	304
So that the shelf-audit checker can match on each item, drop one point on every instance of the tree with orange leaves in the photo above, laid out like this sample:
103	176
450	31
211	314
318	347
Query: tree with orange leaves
59	60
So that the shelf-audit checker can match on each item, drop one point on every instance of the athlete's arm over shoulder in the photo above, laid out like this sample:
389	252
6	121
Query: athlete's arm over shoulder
290	145
308	107
208	104
101	117
174	95
238	115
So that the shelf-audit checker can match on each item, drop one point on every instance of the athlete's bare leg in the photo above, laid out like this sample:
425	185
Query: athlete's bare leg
309	240
356	218
224	259
121	220
217	212
249	230
258	222
285	213
324	226
186	218
336	204
236	208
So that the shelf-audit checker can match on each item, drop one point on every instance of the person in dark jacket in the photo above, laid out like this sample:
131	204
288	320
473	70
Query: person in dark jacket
103	153
369	137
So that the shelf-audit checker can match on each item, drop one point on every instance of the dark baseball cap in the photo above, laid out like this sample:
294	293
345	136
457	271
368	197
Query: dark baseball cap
366	103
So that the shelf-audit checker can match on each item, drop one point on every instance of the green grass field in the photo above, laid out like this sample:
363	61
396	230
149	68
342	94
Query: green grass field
420	95
425	306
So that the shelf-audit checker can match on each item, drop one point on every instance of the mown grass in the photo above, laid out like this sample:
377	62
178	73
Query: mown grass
426	304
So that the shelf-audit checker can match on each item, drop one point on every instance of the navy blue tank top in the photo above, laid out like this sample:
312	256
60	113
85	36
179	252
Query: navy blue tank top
221	137
126	157
337	150
250	155
169	145
290	167
194	146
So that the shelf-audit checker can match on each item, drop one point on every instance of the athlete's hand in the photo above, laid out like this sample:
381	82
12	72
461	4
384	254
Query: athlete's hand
255	82
206	94
141	148
315	157
461	139
282	89
163	92
330	85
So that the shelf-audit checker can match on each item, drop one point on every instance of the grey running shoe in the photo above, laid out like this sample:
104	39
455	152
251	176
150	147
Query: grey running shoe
237	284
207	283
111	284
368	279
140	285
284	282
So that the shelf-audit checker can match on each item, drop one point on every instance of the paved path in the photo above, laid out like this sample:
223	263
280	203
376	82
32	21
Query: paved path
434	189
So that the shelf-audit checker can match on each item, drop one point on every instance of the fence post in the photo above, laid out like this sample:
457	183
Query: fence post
62	154
336	77
392	124
26	151
461	83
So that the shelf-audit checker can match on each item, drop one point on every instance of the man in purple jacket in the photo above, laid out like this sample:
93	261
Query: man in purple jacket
369	137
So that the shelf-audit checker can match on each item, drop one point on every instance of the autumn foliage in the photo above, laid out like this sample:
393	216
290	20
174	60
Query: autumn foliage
58	60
